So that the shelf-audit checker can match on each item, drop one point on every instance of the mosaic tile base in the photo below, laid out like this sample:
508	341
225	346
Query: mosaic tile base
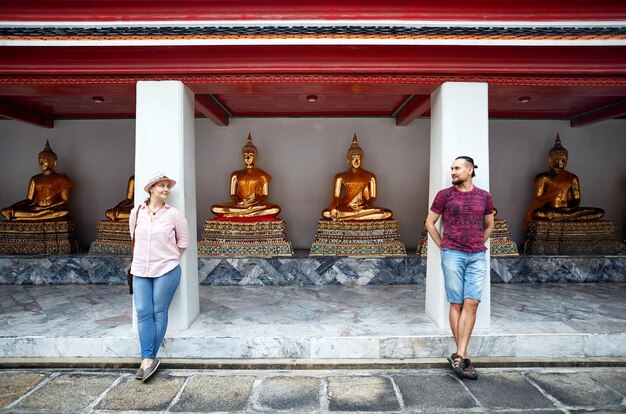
113	238
46	237
357	238
244	239
573	238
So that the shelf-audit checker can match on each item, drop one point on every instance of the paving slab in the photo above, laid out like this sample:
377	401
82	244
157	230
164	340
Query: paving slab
507	390
576	389
131	394
207	393
15	384
73	391
289	393
361	393
433	392
614	379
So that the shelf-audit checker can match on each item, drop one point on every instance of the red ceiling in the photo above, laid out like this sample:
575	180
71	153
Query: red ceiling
562	82
190	10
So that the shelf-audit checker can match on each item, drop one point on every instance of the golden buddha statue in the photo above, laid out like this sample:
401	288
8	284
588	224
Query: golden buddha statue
48	193
249	189
557	192
121	212
354	192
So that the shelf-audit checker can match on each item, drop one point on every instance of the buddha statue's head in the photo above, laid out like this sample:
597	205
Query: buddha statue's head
355	154
249	153
47	159
557	156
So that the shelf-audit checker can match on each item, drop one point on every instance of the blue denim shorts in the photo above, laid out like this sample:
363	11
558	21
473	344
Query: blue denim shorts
464	274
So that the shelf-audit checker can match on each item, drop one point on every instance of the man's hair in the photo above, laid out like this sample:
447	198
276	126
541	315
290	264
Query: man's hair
470	161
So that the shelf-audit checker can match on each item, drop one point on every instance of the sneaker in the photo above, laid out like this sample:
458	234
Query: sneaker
139	374
469	371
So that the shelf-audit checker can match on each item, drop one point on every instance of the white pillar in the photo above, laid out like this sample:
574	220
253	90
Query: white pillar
459	125
165	141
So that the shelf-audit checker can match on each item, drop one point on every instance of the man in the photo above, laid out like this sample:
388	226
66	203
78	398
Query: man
467	222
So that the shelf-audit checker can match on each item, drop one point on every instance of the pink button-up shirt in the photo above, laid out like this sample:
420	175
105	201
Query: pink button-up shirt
157	240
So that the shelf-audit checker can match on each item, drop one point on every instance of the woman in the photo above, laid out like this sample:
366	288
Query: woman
161	235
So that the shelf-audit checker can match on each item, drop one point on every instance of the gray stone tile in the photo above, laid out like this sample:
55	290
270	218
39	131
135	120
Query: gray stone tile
69	392
576	389
615	379
132	394
506	390
15	384
433	392
213	393
362	393
289	393
517	411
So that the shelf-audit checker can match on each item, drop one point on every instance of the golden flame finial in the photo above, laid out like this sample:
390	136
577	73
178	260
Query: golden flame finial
355	148
249	145
557	149
47	152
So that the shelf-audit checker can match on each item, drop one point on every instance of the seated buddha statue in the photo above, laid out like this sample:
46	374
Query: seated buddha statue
557	192
121	212
249	189
354	192
48	193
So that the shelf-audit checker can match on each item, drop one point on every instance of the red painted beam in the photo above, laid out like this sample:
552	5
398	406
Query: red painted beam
209	108
25	115
396	59
413	110
194	10
602	114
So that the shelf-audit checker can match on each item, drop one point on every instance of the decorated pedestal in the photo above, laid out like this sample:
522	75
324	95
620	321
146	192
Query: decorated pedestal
422	245
357	238
500	243
244	237
46	237
113	238
573	238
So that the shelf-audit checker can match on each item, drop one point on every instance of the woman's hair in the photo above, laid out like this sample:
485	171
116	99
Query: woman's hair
470	161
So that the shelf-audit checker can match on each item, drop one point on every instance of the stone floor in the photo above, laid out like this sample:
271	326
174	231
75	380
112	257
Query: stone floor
308	322
525	390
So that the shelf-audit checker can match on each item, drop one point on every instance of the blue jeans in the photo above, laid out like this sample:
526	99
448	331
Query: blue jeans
153	296
463	274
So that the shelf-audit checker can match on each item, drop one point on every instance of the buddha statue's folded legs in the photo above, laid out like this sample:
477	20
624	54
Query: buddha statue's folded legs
33	215
340	214
568	214
252	211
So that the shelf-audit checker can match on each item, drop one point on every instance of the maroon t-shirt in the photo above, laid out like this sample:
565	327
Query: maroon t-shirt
462	217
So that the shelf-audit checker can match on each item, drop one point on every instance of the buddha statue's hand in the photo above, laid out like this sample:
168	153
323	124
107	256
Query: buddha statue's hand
248	201
334	214
7	213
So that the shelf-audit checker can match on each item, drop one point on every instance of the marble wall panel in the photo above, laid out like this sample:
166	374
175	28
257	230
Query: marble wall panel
302	270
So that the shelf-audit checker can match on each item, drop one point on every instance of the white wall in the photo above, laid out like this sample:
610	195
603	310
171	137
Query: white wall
303	155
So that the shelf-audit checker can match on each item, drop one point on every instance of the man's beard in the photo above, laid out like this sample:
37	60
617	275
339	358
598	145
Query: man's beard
457	181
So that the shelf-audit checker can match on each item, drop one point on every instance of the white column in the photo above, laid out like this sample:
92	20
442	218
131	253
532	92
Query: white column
459	125
165	141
